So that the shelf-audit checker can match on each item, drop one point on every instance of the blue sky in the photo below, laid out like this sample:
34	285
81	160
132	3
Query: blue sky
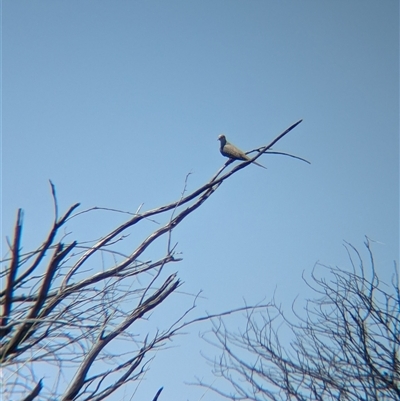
116	102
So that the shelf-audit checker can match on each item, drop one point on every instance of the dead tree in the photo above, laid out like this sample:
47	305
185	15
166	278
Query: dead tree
344	345
83	308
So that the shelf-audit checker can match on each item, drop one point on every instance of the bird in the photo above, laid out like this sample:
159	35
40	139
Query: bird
231	151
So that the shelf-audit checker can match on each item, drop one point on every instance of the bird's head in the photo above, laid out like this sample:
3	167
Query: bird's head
222	138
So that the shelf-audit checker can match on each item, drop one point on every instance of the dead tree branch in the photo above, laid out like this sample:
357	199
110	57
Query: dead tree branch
344	345
72	304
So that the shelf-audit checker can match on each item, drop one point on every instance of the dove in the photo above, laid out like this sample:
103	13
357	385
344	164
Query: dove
231	151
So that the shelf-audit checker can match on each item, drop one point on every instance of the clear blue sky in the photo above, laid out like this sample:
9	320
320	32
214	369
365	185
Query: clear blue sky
117	101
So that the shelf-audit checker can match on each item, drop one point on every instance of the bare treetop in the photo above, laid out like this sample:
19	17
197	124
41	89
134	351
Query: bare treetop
84	307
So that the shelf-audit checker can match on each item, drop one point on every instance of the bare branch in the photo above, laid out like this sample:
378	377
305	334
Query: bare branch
345	344
11	274
35	392
71	304
157	394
